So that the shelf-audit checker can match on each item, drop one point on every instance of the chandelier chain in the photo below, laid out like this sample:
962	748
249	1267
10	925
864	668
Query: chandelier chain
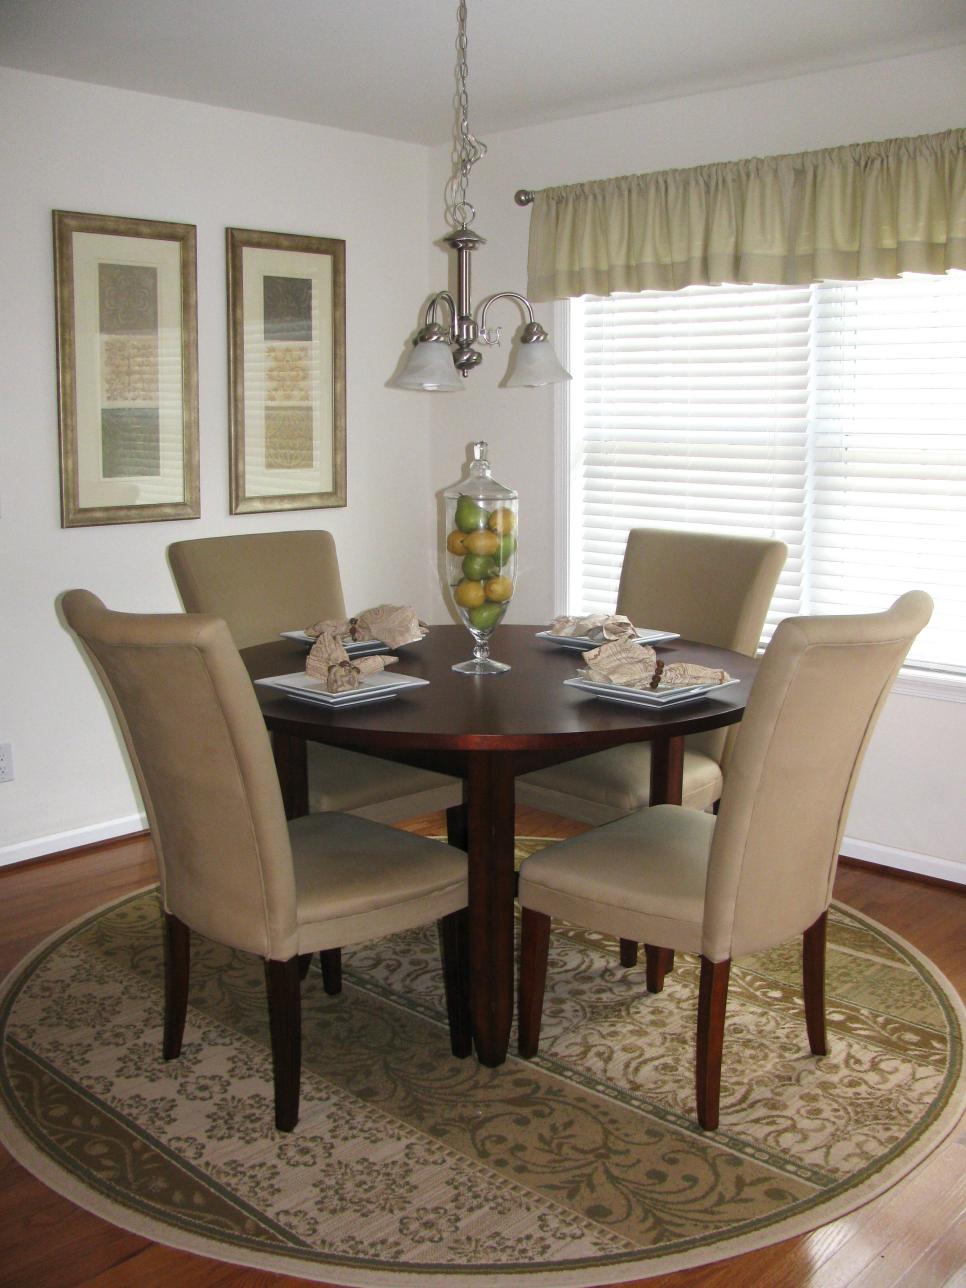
467	148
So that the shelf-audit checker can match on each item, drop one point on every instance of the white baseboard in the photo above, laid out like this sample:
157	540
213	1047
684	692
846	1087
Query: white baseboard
72	840
923	865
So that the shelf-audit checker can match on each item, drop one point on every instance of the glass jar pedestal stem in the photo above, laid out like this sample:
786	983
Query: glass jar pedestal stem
481	663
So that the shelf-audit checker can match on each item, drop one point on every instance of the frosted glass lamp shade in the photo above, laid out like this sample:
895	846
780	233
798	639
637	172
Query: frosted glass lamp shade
534	364
430	367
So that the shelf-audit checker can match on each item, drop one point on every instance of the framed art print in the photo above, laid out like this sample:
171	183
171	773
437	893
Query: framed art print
127	369
286	311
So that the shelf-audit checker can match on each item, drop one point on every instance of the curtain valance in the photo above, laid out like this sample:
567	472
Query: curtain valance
860	211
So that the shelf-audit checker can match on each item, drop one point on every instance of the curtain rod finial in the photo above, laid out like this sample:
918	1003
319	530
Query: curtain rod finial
523	197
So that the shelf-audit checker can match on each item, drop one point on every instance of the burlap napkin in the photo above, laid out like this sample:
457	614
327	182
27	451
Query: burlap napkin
594	626
386	622
329	662
638	667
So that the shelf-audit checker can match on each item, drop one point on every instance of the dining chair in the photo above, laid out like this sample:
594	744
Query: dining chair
761	871
230	866
714	588
264	583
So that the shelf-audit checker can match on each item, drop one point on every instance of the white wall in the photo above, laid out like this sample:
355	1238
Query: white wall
79	147
70	146
909	809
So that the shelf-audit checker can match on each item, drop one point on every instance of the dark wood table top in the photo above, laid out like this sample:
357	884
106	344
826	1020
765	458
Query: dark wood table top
527	708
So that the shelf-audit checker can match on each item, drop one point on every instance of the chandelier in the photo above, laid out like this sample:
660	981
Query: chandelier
441	354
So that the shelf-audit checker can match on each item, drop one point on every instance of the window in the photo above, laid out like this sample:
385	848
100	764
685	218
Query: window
832	416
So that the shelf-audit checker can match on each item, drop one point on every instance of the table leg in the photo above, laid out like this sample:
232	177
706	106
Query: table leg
667	771
491	893
291	762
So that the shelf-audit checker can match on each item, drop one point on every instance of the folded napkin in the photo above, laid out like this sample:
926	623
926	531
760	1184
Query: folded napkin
595	626
638	667
329	662
386	622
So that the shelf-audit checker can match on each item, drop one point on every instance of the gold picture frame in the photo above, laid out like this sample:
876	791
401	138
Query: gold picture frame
286	361
127	369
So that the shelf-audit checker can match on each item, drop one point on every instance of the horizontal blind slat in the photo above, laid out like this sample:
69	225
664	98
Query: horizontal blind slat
830	416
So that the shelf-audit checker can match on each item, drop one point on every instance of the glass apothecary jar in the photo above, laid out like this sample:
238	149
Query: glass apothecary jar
481	556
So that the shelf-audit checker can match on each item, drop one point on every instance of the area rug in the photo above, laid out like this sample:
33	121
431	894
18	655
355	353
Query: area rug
582	1167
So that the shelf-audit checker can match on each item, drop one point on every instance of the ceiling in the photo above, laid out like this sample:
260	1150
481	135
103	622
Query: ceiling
385	67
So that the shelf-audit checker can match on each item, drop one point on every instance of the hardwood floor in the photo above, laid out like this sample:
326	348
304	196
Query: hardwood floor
912	1237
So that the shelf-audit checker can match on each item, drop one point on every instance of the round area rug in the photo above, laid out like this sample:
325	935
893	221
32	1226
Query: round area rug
582	1167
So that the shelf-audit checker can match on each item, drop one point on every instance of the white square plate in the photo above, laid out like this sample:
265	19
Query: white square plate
646	697
372	688
582	643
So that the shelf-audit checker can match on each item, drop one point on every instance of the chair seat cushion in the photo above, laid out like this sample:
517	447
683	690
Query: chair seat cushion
641	877
357	880
620	777
346	780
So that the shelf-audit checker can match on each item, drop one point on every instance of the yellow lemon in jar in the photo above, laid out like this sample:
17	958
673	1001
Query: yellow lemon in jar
484	542
469	594
456	543
499	589
502	521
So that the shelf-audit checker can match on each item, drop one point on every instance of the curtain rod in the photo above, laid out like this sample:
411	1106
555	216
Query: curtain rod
523	197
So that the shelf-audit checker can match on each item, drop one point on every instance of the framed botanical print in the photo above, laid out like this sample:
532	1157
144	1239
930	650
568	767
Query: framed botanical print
286	310
127	369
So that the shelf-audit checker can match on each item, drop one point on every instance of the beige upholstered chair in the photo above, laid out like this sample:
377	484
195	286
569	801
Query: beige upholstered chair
263	583
762	871
231	868
710	587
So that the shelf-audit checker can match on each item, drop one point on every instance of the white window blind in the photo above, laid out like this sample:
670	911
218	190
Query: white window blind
832	416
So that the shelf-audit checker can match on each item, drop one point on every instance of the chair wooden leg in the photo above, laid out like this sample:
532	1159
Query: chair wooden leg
331	959
656	965
305	961
285	1022
177	961
712	1001
813	983
534	950
628	952
454	946
457	826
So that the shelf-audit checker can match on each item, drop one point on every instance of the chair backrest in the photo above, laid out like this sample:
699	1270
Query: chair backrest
201	752
816	698
707	586
260	583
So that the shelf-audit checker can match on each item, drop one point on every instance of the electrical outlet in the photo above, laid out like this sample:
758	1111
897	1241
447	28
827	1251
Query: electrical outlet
6	763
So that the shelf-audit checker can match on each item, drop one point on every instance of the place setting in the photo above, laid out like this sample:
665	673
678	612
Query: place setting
625	668
591	630
347	658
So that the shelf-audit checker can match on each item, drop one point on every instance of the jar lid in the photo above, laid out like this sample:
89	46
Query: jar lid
479	483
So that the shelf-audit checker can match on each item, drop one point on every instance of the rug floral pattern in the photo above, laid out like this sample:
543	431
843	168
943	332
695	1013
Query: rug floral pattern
585	1162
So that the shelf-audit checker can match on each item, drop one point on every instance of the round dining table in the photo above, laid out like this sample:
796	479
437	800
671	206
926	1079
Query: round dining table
486	729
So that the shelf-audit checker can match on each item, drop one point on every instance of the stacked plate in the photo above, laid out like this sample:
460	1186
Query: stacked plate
582	642
646	697
372	688
355	648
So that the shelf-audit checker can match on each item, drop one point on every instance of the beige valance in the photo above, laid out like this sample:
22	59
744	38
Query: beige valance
860	211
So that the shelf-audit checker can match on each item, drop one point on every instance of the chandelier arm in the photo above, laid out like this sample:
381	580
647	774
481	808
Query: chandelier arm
441	297
505	295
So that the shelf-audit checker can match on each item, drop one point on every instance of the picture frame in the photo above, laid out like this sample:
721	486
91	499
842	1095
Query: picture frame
127	369
286	359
